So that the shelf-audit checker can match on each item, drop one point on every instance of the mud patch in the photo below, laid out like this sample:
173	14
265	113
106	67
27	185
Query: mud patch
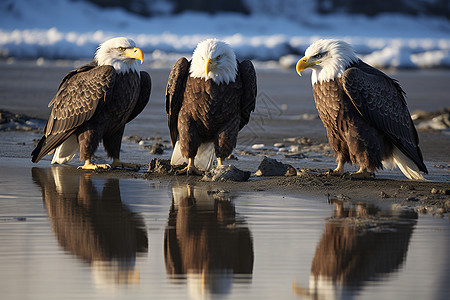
163	167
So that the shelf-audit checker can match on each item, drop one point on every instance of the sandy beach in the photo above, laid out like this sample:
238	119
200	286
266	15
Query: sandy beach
285	114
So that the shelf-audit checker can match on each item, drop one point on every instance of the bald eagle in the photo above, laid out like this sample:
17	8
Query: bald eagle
364	111
208	100
93	103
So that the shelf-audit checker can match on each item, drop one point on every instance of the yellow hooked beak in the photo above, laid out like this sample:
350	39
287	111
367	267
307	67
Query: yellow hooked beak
304	63
135	53
210	65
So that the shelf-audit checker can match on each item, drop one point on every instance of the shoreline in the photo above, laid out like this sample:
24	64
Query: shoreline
425	197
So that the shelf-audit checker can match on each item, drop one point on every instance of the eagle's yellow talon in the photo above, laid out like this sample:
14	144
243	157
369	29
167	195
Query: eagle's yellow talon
90	166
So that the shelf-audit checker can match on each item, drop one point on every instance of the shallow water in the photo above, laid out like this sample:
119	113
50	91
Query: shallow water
69	235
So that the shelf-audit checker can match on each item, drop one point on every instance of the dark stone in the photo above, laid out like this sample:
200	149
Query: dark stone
272	167
157	149
226	173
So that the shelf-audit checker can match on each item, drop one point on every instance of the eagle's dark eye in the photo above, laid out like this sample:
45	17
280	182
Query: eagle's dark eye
121	49
318	55
219	57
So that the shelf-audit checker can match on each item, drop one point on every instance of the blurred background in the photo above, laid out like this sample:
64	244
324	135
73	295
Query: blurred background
385	33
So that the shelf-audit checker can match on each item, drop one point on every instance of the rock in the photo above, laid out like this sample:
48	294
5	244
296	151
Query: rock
441	192
157	149
447	205
259	147
304	141
132	139
413	199
272	167
439	211
441	166
294	149
445	192
299	140
295	156
433	121
308	117
407	187
384	195
18	122
437	123
420	115
226	173
343	197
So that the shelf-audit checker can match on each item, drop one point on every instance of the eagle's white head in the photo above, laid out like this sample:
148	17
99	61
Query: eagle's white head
215	60
328	59
121	53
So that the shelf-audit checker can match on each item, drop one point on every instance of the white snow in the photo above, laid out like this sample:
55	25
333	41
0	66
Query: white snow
68	29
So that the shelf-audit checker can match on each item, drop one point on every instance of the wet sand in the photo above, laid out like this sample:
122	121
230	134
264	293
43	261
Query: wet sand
285	109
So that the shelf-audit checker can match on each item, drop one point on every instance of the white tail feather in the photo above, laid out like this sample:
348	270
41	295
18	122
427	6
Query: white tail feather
203	160
405	164
66	151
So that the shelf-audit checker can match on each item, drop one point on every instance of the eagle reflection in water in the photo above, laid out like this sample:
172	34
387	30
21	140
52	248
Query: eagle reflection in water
361	243
205	242
95	226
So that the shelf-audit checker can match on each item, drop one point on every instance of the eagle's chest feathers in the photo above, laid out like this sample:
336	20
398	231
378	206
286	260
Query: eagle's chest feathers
124	97
334	107
210	103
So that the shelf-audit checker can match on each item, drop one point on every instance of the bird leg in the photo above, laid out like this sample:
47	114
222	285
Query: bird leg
219	162
339	169
122	165
362	173
190	169
90	166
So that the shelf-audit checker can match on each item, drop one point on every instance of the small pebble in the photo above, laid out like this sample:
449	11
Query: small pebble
441	192
439	211
412	199
384	195
157	149
258	146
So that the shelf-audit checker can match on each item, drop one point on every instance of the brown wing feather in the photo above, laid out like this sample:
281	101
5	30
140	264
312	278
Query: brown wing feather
81	93
381	102
248	101
174	94
78	97
144	95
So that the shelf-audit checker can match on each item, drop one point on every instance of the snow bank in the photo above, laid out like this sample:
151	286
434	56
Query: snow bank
47	30
166	48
